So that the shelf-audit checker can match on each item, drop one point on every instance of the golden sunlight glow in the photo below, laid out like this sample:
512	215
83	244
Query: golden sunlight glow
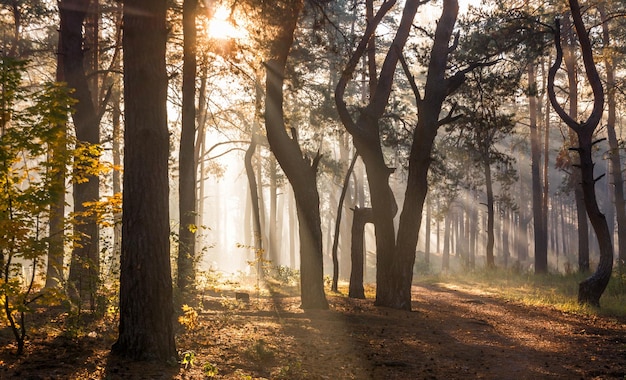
220	26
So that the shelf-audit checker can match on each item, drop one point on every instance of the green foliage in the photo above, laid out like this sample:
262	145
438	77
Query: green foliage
32	123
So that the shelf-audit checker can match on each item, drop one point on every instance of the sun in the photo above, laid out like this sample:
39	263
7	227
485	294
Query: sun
221	26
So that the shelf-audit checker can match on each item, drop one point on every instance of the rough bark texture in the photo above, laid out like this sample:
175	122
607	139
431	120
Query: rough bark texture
591	289
187	165
299	169
146	310
361	217
84	266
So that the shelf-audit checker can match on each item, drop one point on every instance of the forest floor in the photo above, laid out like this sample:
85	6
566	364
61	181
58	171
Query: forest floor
453	332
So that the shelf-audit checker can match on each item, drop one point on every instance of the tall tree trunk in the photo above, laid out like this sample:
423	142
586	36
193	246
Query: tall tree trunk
541	243
54	268
591	289
575	180
490	212
428	231
445	257
436	89
342	197
146	304
84	267
614	156
254	197
274	254
299	169
187	165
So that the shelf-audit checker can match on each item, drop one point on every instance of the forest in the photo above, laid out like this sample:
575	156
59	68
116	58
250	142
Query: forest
312	189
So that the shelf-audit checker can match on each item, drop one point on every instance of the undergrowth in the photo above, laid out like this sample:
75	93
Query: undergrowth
550	290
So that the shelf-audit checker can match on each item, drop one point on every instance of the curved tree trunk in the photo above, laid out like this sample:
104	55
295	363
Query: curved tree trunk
146	309
299	169
591	289
254	197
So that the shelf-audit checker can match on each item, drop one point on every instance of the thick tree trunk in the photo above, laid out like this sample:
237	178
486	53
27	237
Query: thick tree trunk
187	166
436	89
299	169
146	309
84	267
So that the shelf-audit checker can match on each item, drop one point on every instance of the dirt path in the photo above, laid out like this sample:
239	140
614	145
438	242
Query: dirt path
451	334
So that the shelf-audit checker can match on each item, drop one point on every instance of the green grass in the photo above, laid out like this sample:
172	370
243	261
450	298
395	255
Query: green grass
559	291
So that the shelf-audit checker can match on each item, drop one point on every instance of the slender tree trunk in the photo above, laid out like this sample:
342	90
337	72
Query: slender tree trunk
591	289
575	180
490	212
146	304
187	166
445	258
614	156
541	244
54	269
254	197
342	197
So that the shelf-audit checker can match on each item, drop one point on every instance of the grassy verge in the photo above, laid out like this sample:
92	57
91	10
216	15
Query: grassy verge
550	290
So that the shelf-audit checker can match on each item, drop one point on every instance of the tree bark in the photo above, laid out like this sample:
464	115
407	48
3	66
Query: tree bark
187	166
361	217
342	197
541	243
54	266
85	262
299	169
591	289
146	309
491	263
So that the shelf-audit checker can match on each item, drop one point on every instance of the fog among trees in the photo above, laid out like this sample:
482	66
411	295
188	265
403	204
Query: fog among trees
154	151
